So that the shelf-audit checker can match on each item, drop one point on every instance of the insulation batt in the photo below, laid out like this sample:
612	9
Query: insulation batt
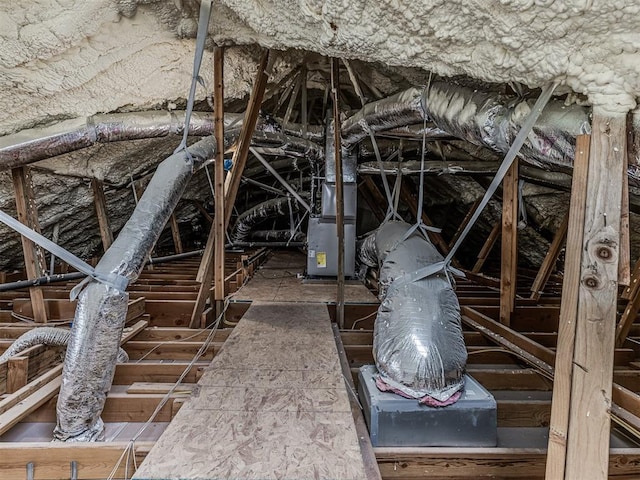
418	344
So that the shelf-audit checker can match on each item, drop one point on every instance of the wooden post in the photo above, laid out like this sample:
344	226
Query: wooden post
624	264
550	259
100	204
232	182
559	424
231	185
509	256
583	391
219	217
589	420
486	248
335	87
33	255
175	233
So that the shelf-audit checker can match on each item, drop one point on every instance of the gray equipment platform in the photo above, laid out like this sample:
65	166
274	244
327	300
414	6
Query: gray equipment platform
395	421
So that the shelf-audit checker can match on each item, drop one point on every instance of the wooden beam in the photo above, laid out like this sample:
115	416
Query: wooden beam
366	448
568	311
634	285
374	206
627	319
232	182
219	217
335	89
175	233
509	256
17	373
53	459
464	223
624	264
100	205
33	255
487	247
589	421
550	259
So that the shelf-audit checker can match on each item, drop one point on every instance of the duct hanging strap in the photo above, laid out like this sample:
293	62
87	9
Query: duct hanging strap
114	280
203	28
502	171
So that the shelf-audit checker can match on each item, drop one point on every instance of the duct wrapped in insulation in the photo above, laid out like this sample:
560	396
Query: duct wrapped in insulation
50	336
418	344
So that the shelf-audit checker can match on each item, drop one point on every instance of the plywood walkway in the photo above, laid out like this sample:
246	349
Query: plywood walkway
272	405
278	281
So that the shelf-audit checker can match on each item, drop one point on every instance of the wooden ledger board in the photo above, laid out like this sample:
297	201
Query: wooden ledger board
272	404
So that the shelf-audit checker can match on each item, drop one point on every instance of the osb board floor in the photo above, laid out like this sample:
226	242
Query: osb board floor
272	405
277	281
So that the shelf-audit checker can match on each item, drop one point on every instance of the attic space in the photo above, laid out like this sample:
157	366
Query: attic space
319	239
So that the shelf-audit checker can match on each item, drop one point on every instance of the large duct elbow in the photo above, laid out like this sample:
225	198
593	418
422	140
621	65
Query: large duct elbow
418	343
275	207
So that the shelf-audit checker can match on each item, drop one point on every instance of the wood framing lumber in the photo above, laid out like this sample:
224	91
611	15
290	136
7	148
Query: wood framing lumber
465	222
624	263
335	89
568	312
100	204
175	233
509	255
219	224
591	387
366	448
53	459
486	248
232	182
550	259
33	255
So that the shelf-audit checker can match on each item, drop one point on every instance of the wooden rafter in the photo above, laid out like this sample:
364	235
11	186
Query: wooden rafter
100	204
550	259
33	255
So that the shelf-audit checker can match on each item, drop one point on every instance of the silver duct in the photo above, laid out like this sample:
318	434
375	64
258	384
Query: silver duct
486	119
32	145
418	343
277	236
101	311
274	207
50	336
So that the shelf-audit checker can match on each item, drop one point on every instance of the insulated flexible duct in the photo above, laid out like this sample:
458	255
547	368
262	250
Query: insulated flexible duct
486	119
274	207
418	344
101	311
50	336
35	144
